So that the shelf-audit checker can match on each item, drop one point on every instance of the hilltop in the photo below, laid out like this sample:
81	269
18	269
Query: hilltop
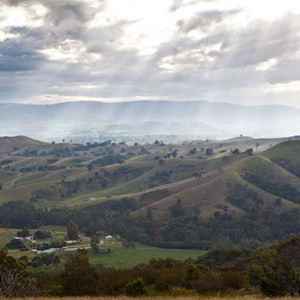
19	143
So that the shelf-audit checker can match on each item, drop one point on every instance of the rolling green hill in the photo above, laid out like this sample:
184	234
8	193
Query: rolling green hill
198	194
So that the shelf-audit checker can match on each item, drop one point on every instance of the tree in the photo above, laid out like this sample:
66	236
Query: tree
249	151
23	233
276	270
136	288
15	244
94	244
209	151
72	231
14	276
197	175
235	151
192	273
193	151
177	210
79	277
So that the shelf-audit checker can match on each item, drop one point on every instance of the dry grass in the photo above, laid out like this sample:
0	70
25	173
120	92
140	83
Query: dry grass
156	298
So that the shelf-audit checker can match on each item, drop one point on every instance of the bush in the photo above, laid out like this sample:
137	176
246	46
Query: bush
15	244
136	288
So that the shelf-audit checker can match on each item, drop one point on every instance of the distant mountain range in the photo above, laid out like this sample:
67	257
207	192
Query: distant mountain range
204	119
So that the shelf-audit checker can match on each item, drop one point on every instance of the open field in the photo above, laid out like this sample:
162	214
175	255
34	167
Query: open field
118	256
129	257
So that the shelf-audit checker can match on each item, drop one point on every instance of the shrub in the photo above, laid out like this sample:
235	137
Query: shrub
136	288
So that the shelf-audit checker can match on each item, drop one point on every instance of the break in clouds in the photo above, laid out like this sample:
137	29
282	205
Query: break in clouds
110	50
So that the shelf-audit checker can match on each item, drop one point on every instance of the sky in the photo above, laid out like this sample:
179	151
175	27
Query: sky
237	51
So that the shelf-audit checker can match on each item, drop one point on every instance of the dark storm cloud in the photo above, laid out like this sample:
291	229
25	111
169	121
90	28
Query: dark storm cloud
20	54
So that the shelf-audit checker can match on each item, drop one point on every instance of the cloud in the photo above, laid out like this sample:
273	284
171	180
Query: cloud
205	20
177	4
199	51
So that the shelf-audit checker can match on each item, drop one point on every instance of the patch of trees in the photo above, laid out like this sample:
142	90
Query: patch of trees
244	198
193	151
107	160
6	162
209	151
30	152
47	168
288	165
126	204
276	271
44	260
42	235
89	146
284	190
162	177
16	244
184	228
150	197
28	169
41	194
67	188
125	172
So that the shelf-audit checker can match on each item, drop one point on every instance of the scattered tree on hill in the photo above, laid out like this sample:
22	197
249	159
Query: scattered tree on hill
249	151
235	151
197	175
209	151
161	162
177	209
193	151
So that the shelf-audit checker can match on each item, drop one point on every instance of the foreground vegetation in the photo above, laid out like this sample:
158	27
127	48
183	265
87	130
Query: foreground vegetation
272	271
178	297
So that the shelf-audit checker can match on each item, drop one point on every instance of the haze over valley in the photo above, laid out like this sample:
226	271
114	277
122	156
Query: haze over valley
146	121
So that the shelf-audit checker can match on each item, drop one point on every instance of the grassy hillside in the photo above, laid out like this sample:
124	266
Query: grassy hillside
287	156
198	194
18	143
